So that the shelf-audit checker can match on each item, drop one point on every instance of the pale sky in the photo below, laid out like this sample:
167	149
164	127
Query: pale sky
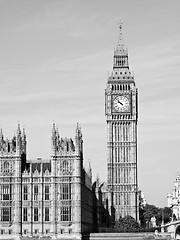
55	56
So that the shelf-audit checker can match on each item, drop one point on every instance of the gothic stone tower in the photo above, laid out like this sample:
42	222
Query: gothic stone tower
121	114
12	160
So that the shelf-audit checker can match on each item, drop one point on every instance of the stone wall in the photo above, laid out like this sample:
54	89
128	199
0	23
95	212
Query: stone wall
126	236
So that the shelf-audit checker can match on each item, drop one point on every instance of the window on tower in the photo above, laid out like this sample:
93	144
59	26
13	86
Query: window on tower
25	214
36	192
25	190
36	214
65	199
65	166
46	214
66	191
6	167
5	190
66	213
6	214
46	192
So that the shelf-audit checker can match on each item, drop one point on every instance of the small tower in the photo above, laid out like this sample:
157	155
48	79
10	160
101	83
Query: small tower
54	140
78	139
12	160
66	171
18	140
90	171
24	142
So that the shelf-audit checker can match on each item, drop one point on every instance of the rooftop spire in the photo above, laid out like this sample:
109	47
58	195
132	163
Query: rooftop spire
120	45
120	53
1	134
24	133
18	129
54	128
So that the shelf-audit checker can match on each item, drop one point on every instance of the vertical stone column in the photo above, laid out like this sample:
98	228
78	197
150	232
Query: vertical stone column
77	195
31	200
17	198
41	200
53	198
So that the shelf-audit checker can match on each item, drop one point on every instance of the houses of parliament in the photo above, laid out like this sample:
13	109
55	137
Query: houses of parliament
56	197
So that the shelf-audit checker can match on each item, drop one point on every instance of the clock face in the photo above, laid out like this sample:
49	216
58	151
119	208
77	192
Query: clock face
121	104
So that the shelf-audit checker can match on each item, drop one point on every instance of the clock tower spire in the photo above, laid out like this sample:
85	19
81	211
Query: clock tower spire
121	52
121	116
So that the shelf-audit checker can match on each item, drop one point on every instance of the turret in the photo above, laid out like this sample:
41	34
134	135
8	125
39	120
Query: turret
90	171
24	141
15	146
18	140
78	139
54	140
61	145
1	140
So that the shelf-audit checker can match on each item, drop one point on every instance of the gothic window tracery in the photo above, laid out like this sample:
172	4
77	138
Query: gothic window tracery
6	167
36	172
65	166
46	172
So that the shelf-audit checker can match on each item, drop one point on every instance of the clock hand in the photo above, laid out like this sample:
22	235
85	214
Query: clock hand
120	102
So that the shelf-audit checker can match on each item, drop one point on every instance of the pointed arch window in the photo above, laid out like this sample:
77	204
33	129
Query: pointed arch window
6	167
65	166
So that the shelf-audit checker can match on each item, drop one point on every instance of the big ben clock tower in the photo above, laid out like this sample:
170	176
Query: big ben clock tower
122	114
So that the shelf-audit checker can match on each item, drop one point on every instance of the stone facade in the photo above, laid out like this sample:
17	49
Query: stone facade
121	109
53	197
173	199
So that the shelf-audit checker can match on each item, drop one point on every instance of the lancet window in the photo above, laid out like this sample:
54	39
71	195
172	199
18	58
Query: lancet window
6	167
